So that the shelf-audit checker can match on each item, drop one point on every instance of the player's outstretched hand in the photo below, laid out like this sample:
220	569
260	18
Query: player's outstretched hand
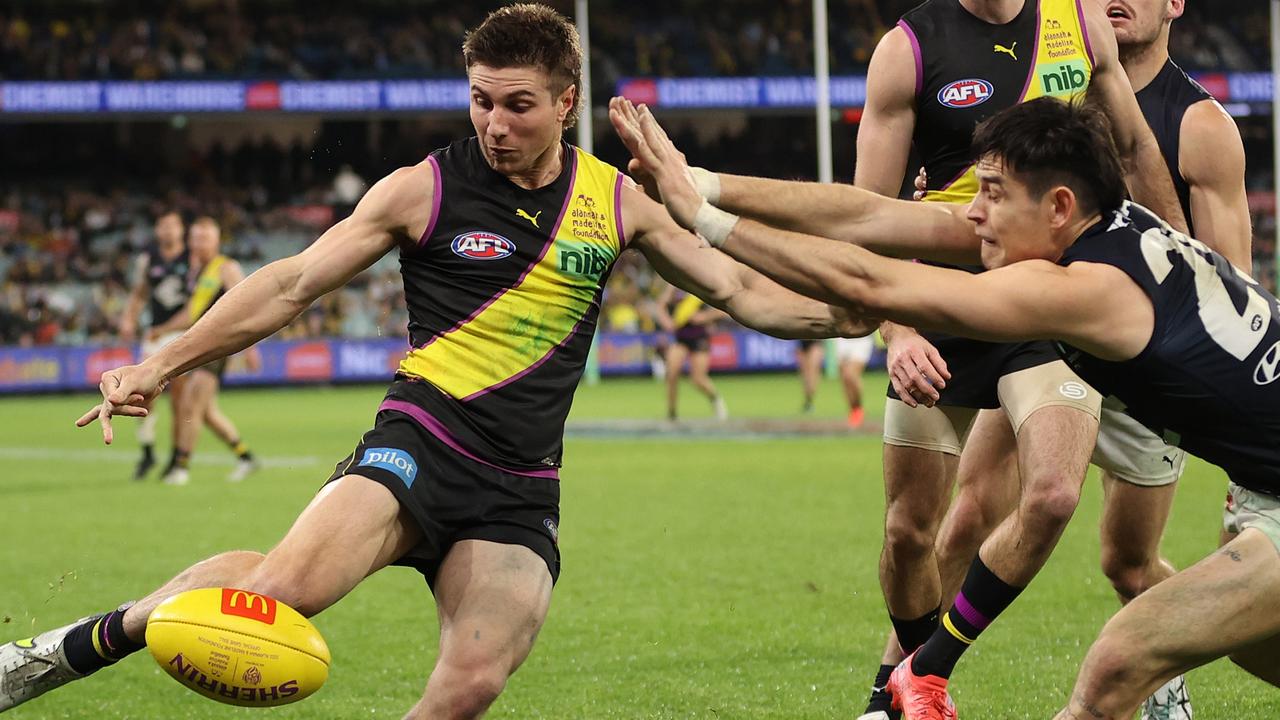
656	156
917	371
922	185
128	391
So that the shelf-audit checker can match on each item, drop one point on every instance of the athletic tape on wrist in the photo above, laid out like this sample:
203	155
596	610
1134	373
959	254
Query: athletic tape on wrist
707	183
713	224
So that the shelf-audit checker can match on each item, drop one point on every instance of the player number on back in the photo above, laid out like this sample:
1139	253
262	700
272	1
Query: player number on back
1239	333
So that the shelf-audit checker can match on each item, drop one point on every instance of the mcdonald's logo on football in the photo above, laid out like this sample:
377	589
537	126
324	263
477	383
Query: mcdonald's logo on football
249	605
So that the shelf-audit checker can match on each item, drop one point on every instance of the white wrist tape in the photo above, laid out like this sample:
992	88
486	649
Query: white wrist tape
707	183
713	224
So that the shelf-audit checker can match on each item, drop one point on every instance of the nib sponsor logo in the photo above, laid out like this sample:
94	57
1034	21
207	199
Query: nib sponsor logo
194	678
1059	79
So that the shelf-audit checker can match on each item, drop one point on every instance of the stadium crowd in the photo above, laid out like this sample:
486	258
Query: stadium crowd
76	202
151	40
68	239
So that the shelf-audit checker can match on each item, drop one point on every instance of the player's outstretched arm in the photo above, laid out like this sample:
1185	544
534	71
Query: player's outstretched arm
1094	307
747	296
1145	170
839	211
391	212
1211	158
875	222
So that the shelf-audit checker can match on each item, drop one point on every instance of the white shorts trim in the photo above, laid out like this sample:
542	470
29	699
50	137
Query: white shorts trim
855	349
151	347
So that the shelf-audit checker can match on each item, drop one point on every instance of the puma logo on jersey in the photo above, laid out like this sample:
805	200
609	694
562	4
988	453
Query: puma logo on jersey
533	219
998	48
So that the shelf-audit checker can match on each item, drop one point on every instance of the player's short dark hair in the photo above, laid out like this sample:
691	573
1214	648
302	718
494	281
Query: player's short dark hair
171	211
1047	142
530	35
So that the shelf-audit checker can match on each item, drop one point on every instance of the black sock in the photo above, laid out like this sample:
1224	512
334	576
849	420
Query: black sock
99	642
148	453
181	459
880	700
982	598
240	449
914	633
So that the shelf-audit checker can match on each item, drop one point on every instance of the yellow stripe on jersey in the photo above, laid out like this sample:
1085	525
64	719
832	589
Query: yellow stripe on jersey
207	287
688	306
1061	68
531	319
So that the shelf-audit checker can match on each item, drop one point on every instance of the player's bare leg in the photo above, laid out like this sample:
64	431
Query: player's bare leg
226	430
700	376
1228	602
987	490
492	599
851	377
1133	521
675	357
1054	447
809	363
197	394
352	528
177	392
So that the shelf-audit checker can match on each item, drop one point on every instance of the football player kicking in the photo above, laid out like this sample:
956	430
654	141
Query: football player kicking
1142	312
506	240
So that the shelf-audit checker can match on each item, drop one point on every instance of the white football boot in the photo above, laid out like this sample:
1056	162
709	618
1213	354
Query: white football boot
32	667
877	715
1169	702
242	470
177	476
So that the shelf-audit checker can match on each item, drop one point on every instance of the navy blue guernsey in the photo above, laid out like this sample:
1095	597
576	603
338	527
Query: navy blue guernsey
1164	101
1207	379
168	282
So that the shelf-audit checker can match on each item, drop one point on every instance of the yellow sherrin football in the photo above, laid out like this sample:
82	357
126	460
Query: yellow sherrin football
238	647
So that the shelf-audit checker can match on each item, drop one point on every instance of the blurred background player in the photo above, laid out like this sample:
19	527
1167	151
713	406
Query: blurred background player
159	283
853	354
688	321
809	357
213	274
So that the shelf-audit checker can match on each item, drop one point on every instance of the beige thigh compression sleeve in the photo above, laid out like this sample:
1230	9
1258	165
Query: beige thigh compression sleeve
1049	385
938	428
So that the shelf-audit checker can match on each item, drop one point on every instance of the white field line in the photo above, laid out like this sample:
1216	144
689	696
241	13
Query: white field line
216	456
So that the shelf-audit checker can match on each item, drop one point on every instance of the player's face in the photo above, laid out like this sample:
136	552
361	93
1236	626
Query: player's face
1011	222
169	229
516	117
203	242
1138	22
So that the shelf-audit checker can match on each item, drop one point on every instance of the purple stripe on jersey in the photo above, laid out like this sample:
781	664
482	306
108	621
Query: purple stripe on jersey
915	50
437	192
1084	30
534	366
441	433
1031	72
551	240
971	614
954	180
617	212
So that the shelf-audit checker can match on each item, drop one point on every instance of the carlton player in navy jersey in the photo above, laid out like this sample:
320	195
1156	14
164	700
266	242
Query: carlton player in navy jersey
505	241
159	283
1179	338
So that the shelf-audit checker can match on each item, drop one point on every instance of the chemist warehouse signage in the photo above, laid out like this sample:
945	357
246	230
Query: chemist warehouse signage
70	98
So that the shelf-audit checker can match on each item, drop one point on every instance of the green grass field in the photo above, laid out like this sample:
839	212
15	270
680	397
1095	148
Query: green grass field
702	578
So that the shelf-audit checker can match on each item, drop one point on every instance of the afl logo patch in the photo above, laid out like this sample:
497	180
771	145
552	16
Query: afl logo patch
1268	368
965	93
1073	390
481	245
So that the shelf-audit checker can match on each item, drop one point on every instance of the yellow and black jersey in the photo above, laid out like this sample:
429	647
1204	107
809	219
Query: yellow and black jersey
968	70
504	291
207	288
